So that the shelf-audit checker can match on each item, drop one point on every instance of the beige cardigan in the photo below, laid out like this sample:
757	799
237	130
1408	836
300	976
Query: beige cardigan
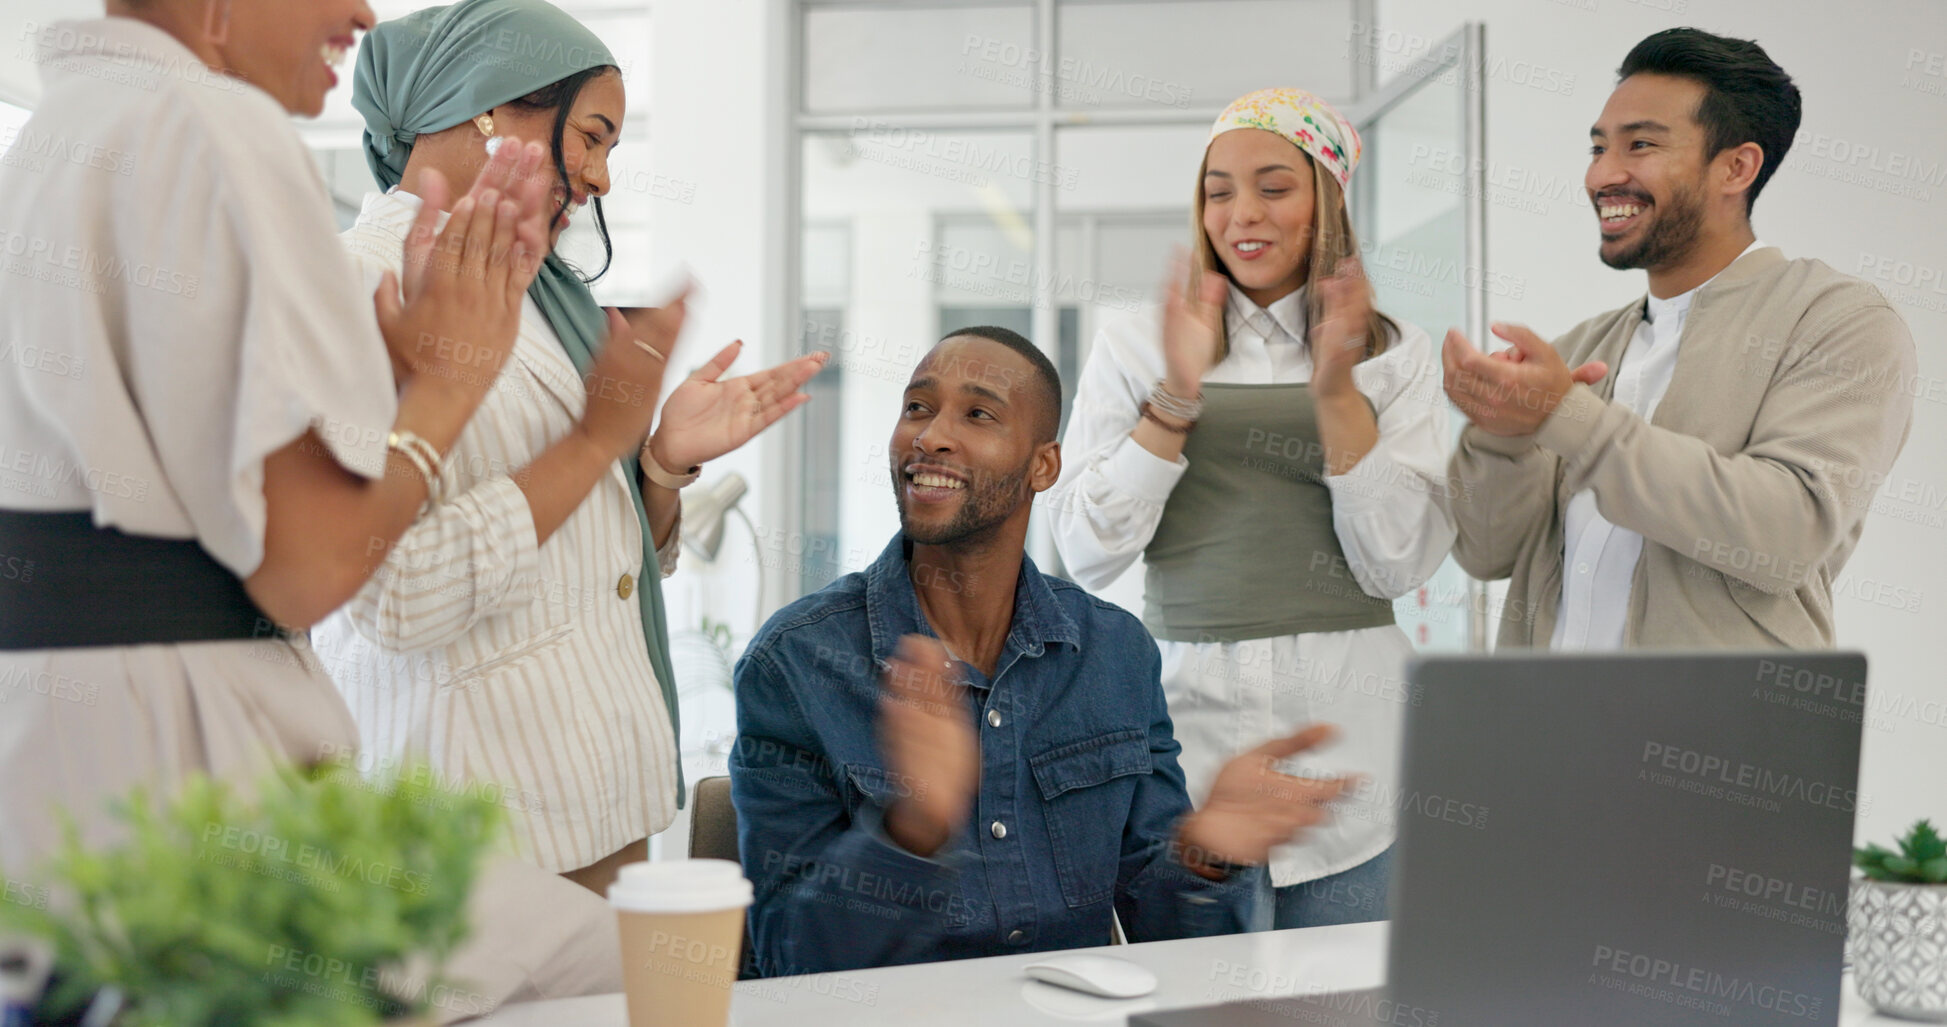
1750	484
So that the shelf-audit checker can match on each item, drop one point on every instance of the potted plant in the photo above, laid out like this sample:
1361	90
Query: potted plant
1898	926
330	900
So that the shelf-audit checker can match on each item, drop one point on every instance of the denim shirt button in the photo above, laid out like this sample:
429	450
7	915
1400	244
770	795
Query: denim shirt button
993	718
1016	937
998	829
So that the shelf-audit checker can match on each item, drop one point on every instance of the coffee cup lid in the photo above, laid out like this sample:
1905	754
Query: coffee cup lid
680	886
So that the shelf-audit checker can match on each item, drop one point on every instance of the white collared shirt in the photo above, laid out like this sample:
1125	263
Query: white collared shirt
1599	558
1266	343
1225	697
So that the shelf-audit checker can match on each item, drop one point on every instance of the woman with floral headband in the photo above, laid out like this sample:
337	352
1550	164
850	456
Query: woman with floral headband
1271	445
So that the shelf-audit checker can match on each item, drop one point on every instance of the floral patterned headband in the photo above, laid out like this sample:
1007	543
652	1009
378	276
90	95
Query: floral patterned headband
1301	117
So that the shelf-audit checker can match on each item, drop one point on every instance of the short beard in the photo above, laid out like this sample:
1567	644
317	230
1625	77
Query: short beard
1672	234
990	501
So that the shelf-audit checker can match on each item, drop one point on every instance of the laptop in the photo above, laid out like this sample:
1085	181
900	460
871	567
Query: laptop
1614	839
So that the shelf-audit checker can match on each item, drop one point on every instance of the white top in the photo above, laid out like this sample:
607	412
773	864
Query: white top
171	312
517	666
1600	558
167	319
1228	697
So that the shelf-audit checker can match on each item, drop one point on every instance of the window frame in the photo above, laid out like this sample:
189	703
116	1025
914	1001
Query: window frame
1462	53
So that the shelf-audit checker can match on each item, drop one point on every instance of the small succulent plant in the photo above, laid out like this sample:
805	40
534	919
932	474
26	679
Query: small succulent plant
1921	859
296	904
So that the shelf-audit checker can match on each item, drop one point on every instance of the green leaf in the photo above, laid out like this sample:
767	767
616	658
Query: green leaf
339	870
1934	871
1923	843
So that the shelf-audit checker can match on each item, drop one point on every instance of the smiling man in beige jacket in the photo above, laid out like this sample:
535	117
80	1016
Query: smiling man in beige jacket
1701	475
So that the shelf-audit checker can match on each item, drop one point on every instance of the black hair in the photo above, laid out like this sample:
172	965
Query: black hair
561	95
1747	96
1044	371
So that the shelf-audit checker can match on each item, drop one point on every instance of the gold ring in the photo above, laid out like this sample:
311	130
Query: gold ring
651	350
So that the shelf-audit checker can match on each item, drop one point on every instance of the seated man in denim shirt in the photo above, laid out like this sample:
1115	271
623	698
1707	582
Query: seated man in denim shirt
953	755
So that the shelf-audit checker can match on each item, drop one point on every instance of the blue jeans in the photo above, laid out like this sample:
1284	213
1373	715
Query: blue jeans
1352	896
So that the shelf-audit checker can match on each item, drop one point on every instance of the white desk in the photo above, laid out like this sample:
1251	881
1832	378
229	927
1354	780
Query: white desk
994	993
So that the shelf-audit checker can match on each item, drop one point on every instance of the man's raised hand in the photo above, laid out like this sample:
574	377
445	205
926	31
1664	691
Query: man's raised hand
926	736
1253	807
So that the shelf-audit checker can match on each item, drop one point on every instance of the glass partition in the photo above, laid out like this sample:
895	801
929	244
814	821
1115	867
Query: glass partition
1413	226
1031	165
936	236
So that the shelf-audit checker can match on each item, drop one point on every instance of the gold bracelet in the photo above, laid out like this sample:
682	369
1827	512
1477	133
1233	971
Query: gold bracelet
424	459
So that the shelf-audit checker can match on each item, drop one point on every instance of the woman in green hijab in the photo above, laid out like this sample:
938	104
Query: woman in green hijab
516	638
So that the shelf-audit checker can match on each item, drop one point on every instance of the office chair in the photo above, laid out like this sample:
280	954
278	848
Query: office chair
713	835
713	820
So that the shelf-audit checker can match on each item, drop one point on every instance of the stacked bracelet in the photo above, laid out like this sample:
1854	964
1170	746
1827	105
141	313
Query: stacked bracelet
1176	406
424	459
1183	412
1176	427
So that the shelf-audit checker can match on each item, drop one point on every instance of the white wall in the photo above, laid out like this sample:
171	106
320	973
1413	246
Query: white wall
710	86
711	80
1875	91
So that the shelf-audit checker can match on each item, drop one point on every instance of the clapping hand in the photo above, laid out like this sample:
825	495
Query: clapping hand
1514	391
452	317
707	417
1253	807
926	736
1338	340
1192	328
627	377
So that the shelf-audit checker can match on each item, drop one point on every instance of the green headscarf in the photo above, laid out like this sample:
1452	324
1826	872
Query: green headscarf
438	67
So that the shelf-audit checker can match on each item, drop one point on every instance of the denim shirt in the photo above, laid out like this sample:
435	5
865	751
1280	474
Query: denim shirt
1079	793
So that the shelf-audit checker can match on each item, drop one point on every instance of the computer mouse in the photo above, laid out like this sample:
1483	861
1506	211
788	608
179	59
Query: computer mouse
1106	976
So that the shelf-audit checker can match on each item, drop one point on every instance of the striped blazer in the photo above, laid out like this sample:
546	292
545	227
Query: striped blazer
515	670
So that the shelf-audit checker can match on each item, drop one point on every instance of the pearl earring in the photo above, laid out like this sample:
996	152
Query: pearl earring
485	123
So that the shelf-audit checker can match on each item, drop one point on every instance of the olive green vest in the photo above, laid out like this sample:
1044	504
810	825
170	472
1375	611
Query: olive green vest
1246	547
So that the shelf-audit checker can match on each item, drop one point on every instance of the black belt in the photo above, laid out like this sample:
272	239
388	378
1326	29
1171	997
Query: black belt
65	583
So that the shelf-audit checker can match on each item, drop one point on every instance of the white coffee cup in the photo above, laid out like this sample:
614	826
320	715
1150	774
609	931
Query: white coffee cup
682	924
